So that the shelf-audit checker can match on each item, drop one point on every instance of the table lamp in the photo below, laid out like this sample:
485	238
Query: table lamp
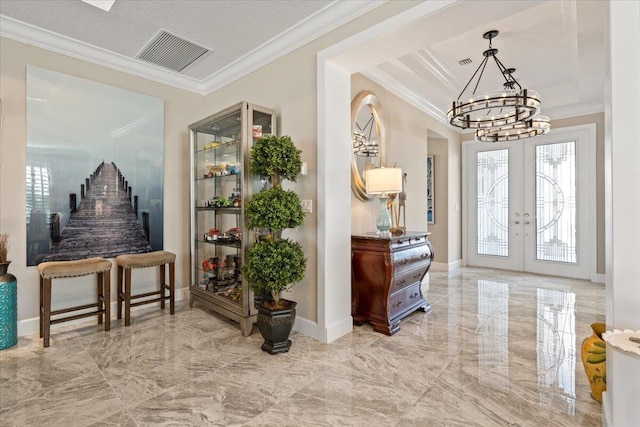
382	182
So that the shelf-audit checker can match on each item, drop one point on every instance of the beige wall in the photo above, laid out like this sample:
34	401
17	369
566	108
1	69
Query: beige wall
439	149
598	119
181	108
287	85
408	146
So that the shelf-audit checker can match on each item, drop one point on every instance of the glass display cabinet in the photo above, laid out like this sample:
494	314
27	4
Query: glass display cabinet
220	183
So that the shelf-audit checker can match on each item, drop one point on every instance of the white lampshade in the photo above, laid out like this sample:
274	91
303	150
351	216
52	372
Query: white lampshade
383	180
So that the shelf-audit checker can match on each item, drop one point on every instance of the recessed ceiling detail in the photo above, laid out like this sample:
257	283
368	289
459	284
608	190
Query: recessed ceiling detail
170	51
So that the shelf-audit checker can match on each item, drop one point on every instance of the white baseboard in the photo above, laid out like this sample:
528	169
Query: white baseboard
336	330
443	266
32	325
306	327
599	278
606	422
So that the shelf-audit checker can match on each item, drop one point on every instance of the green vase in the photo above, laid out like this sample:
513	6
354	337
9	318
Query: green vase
8	307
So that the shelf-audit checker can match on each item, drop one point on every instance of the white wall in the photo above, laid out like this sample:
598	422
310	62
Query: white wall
622	176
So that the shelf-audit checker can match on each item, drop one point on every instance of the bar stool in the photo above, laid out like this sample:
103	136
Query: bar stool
150	259
83	267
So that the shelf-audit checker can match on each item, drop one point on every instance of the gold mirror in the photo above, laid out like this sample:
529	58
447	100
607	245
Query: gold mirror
368	138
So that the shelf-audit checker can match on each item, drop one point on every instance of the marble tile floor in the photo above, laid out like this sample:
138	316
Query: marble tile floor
498	349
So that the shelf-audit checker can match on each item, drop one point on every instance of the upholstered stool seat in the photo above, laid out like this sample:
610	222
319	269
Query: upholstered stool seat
151	259
83	267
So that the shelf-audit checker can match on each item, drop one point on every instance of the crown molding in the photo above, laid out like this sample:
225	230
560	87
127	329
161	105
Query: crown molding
322	22
575	110
35	36
325	20
409	95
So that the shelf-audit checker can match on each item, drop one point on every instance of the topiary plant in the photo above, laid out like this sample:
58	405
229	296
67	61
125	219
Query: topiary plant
274	264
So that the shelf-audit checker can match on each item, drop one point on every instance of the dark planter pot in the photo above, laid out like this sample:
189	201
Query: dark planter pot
275	327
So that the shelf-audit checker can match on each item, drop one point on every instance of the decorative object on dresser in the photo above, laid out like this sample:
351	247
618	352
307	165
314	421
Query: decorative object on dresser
383	182
386	278
220	149
274	264
397	210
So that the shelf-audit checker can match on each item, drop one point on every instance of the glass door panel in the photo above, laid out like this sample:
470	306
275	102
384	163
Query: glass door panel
556	216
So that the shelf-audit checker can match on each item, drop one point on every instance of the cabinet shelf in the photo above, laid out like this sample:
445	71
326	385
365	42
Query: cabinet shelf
221	147
220	150
231	244
231	210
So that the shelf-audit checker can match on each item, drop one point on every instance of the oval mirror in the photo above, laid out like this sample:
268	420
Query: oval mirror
368	137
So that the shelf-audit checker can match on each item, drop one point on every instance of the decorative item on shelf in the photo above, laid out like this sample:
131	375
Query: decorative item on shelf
594	358
383	182
274	264
501	115
8	298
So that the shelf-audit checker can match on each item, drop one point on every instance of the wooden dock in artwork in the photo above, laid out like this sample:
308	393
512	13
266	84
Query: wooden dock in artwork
104	224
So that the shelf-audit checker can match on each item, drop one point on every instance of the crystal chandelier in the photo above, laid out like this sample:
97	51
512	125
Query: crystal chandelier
506	115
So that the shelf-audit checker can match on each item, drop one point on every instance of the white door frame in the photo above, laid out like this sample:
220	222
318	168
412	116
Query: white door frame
587	154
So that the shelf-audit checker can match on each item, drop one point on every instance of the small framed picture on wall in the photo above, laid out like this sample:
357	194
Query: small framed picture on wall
430	189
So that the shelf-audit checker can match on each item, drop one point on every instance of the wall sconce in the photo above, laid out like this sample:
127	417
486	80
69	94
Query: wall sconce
382	182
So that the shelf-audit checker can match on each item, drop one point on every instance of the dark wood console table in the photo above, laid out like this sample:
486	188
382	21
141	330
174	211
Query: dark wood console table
386	273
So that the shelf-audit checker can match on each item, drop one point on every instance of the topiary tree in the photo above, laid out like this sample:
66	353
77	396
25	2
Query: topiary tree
274	264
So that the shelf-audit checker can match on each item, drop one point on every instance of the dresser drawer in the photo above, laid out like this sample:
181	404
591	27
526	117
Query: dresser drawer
408	259
409	277
404	300
404	243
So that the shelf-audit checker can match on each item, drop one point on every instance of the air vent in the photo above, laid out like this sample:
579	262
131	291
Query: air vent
170	51
465	61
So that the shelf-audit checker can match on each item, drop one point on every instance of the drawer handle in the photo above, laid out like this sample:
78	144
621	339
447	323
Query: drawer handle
396	304
403	261
401	283
414	295
424	255
417	275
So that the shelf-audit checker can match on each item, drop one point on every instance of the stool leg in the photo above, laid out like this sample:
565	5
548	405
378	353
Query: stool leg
172	288
127	296
46	303
162	284
119	292
107	300
100	281
41	307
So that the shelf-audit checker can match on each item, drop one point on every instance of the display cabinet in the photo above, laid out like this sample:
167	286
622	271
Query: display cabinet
220	183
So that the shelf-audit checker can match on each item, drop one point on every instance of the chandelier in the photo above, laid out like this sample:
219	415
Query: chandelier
505	115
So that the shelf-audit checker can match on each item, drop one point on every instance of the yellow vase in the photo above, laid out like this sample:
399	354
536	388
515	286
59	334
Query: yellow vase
594	359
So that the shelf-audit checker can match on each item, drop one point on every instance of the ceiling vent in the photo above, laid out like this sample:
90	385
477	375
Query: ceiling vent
170	51
465	61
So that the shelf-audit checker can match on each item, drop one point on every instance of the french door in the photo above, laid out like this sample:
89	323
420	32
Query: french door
530	204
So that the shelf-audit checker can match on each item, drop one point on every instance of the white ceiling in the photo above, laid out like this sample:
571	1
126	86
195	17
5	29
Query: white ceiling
556	46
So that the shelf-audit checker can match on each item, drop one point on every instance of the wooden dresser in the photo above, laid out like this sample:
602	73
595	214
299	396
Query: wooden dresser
386	274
